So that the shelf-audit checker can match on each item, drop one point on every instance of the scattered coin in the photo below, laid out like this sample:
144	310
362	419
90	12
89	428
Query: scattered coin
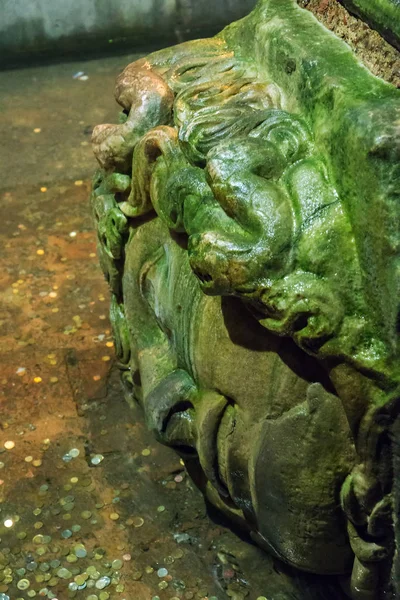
67	533
137	521
64	573
23	584
163	572
103	582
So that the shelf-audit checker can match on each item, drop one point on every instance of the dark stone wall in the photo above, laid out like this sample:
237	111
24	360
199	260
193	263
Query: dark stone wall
57	29
32	31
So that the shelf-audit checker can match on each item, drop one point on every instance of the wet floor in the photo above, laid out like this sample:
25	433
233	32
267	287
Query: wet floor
91	507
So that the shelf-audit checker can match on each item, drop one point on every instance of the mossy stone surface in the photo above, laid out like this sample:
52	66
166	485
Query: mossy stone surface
384	15
248	223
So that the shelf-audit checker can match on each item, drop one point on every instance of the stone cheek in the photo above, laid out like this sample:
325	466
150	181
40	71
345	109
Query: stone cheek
249	232
303	454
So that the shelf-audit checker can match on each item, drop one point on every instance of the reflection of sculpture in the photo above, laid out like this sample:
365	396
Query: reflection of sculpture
247	217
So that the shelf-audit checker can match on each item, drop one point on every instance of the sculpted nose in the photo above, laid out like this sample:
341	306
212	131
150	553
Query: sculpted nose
172	395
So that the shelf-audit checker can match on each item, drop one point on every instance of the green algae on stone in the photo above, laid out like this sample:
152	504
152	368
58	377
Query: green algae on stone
383	15
248	225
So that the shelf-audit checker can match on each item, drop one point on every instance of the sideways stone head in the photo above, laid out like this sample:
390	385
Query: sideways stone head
248	311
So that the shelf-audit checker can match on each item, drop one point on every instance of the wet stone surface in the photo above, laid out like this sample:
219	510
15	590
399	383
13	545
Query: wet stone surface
91	506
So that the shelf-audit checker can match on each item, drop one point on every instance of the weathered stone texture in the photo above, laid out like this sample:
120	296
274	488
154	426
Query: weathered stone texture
248	225
380	57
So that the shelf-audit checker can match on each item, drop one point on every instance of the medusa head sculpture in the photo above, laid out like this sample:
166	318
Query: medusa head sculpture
247	218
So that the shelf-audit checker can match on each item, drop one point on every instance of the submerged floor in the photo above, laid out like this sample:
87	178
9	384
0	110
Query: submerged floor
90	506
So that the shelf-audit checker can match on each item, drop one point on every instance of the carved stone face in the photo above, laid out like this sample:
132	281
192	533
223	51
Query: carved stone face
260	413
242	282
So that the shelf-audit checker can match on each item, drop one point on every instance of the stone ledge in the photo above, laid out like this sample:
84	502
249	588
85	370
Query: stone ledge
380	57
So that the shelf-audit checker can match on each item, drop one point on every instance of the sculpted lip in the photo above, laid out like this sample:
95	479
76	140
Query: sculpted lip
210	413
197	427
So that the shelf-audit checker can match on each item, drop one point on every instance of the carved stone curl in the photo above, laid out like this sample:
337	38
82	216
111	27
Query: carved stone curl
248	219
